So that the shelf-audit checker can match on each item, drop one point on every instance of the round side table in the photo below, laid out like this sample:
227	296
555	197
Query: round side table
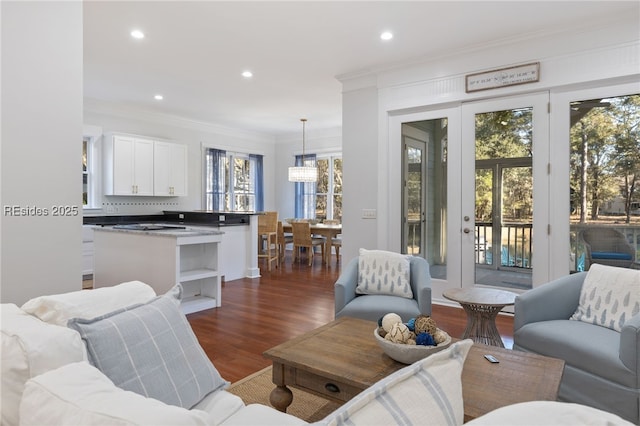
482	306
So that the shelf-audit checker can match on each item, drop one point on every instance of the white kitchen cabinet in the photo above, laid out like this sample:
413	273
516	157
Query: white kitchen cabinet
170	169
161	259
128	165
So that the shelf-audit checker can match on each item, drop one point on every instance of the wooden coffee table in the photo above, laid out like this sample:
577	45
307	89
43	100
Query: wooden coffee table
341	359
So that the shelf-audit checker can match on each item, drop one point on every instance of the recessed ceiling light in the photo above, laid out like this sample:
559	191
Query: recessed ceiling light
158	97
137	34
387	35
247	74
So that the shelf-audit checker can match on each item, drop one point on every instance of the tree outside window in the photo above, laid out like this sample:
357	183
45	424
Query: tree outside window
605	159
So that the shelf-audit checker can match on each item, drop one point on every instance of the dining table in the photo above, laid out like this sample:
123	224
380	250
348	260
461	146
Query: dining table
326	230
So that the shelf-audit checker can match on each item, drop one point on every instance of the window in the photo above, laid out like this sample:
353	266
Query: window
86	171
233	181
604	180
329	188
322	199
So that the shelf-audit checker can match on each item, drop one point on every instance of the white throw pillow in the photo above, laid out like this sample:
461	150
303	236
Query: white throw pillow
428	391
384	272
548	413
30	347
609	296
79	394
151	349
60	308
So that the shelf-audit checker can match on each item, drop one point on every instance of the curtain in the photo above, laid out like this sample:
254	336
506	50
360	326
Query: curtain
305	191
259	184
215	194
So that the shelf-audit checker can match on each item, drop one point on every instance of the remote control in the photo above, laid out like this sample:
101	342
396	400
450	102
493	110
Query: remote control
492	359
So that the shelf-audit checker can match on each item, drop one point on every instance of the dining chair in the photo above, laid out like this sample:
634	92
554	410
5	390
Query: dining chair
302	238
283	240
268	237
336	242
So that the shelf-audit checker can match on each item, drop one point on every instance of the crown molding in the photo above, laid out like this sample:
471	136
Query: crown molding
126	111
375	76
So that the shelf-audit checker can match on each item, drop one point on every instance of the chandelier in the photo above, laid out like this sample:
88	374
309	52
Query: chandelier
303	173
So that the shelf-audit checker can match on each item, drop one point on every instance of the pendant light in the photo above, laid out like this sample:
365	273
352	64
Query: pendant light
303	173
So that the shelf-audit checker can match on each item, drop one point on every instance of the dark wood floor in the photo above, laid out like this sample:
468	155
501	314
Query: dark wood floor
257	314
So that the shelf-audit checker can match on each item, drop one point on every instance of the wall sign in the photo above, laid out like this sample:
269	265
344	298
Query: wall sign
511	76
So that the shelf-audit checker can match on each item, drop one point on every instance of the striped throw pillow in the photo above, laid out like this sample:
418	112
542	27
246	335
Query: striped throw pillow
151	349
426	392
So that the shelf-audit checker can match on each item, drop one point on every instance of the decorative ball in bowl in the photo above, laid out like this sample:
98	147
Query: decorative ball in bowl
408	354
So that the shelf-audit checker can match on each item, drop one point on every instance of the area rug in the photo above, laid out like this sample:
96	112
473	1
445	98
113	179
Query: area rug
255	389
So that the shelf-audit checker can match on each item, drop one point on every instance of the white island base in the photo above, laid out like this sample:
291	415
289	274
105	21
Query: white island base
162	258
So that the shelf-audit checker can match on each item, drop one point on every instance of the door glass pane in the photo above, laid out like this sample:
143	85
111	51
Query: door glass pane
425	193
605	182
414	200
484	210
504	198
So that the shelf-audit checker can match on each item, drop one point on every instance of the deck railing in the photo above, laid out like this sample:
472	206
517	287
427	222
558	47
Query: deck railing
512	248
515	248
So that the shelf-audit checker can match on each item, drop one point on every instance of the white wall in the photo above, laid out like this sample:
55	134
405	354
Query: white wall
362	177
194	135
587	55
41	148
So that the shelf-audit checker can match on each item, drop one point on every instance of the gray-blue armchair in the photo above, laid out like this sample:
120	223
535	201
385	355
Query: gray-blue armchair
601	364
372	306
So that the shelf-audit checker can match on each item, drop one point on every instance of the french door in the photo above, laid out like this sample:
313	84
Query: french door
505	185
426	190
475	192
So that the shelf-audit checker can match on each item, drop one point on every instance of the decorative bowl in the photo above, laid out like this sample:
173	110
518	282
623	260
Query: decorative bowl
408	354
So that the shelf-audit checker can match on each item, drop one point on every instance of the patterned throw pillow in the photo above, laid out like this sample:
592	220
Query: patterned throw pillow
151	349
426	392
384	272
609	296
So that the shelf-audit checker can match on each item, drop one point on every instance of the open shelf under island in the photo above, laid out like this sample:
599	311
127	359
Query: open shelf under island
162	258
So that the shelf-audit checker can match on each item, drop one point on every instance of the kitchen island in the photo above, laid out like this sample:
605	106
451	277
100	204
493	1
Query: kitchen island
162	256
239	259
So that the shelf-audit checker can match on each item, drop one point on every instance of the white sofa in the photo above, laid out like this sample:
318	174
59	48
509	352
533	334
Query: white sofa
47	380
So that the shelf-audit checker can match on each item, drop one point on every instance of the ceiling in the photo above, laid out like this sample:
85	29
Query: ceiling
193	53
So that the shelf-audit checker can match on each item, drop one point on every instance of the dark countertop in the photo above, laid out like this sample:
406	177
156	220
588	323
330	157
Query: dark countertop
192	217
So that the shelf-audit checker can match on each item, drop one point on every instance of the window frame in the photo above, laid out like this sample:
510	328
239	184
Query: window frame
86	171
331	194
230	191
92	136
